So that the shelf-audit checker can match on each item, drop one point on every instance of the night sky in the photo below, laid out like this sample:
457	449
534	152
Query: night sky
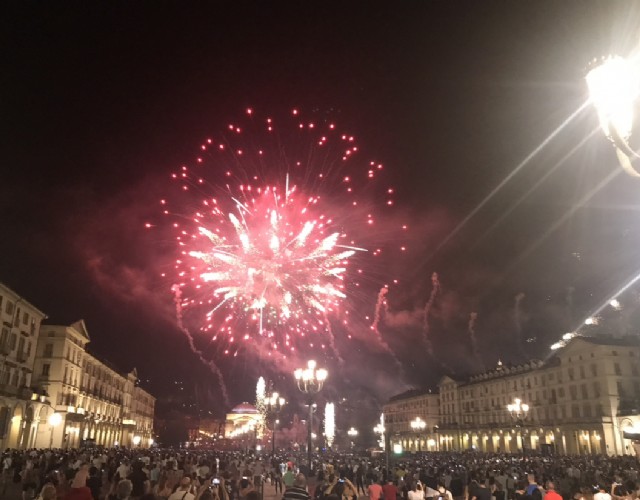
100	102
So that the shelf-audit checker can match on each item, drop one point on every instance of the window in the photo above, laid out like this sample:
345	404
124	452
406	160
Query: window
570	373
48	351
4	336
25	318
45	369
582	374
573	391
16	318
594	370
616	369
584	392
8	308
596	389
14	340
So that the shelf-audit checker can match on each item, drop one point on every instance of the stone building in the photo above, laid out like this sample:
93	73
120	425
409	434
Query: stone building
405	408
20	408
97	403
581	400
55	393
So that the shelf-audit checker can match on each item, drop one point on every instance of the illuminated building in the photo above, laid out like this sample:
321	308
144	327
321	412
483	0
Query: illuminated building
403	409
580	400
97	403
20	408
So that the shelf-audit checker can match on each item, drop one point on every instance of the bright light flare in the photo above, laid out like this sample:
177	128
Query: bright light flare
613	87
330	423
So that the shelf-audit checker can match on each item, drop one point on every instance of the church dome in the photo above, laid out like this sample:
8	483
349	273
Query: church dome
244	408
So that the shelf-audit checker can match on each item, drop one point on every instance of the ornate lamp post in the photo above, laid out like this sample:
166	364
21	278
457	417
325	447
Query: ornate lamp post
614	86
310	381
380	429
274	404
353	434
519	412
418	425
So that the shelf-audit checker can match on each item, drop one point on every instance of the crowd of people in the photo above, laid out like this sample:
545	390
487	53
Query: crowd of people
157	474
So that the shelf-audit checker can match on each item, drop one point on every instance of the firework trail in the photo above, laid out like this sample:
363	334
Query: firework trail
332	340
517	317
471	328
207	362
383	306
569	303
435	288
265	248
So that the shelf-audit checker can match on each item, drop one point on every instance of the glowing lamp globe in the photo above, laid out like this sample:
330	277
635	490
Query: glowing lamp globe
613	87
55	419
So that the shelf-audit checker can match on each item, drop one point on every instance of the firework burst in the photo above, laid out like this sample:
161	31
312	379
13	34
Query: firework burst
269	221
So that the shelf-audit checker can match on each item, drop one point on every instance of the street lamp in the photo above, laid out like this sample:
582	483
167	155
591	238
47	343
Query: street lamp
274	404
310	381
55	419
614	86
353	434
519	412
418	425
380	429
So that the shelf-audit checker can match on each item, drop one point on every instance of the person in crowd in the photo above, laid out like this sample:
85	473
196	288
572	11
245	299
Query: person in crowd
551	493
79	489
443	492
122	490
289	477
48	492
298	490
184	491
139	479
602	493
374	491
416	492
389	490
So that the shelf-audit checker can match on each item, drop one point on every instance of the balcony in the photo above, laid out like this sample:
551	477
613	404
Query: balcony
8	390
16	392
22	357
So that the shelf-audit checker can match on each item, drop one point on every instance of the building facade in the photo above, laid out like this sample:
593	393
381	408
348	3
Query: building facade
20	408
413	406
98	405
53	393
581	400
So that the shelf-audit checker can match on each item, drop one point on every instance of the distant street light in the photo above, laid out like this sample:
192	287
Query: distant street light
519	412
418	425
614	86
353	434
310	381
274	405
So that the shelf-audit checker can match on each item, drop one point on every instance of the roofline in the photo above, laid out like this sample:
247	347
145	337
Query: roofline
20	298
